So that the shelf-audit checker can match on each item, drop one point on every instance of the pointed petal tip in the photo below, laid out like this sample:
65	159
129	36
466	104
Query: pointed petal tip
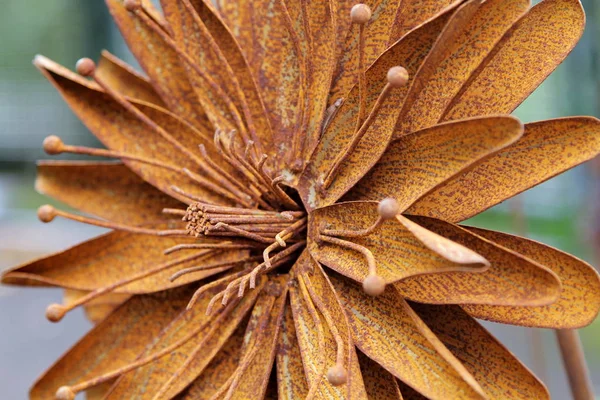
40	61
479	259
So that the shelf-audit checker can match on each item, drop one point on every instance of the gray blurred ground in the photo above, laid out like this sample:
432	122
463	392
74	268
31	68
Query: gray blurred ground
28	342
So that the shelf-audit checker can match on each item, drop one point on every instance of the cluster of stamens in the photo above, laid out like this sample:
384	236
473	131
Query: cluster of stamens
253	224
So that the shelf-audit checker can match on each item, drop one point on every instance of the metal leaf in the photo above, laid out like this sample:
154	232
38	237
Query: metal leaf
398	252
517	61
417	163
395	337
579	300
512	279
117	256
108	190
546	149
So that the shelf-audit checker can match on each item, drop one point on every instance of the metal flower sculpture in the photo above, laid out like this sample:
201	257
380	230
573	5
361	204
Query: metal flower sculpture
284	212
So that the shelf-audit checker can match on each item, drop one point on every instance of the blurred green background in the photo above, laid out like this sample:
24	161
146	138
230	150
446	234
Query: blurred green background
563	212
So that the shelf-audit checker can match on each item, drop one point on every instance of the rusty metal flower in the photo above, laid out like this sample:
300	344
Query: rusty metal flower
290	181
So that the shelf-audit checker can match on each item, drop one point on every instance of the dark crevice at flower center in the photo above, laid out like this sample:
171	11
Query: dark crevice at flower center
273	227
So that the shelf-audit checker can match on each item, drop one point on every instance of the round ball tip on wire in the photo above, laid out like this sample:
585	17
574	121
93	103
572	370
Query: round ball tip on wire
53	145
55	312
374	285
360	14
46	213
397	76
337	375
132	5
85	66
65	393
388	208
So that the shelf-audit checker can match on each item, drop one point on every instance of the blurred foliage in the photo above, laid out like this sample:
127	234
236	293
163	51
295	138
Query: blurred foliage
63	28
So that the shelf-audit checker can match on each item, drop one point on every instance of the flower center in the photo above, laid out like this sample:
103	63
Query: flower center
241	223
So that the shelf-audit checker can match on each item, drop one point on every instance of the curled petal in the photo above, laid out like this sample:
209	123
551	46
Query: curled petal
579	300
398	252
512	279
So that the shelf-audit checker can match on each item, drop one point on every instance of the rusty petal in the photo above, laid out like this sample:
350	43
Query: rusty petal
394	337
318	19
477	38
412	13
448	249
324	290
208	71
409	53
237	18
219	369
162	64
496	369
579	300
512	278
153	12
379	383
343	23
398	252
312	353
546	149
98	392
106	189
417	163
291	381
156	373
263	29
122	131
193	37
114	342
125	79
440	50
376	33
525	56
263	342
231	50
115	256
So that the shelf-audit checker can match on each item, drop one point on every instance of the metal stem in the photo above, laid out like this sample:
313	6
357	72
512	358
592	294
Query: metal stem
574	361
